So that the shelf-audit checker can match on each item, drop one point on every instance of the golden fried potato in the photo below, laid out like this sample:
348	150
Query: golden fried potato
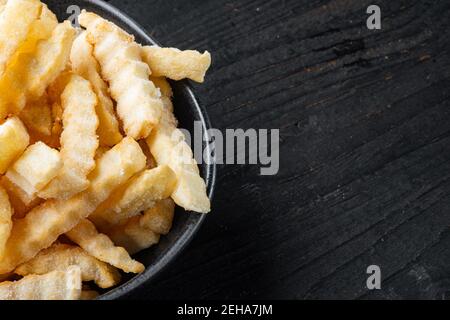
132	236
166	94
79	140
176	64
43	225
115	168
5	220
159	218
14	139
142	232
37	117
27	77
37	166
138	101
168	146
51	58
40	29
20	201
100	246
57	127
15	23
85	65
55	91
139	194
61	256
48	17
16	191
162	84
56	285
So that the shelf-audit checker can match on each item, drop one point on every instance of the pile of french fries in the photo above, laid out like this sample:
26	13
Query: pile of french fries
91	161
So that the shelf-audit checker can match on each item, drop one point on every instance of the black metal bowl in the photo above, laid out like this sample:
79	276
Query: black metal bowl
187	110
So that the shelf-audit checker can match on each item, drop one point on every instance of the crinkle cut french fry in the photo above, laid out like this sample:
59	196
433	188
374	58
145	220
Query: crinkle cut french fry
15	23
137	195
176	64
37	166
37	116
100	246
5	220
166	94
159	218
85	65
162	84
48	16
31	73
132	236
14	139
14	189
43	225
141	232
40	29
168	147
51	59
79	140
56	285
56	89
54	92
61	256
115	168
20	201
138	100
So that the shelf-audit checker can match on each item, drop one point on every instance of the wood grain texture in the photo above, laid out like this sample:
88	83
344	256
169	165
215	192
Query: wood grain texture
365	147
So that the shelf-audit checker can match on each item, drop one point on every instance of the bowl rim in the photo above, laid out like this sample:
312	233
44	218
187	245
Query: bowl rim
183	241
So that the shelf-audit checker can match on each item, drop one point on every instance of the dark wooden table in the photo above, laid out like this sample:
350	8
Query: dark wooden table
365	147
